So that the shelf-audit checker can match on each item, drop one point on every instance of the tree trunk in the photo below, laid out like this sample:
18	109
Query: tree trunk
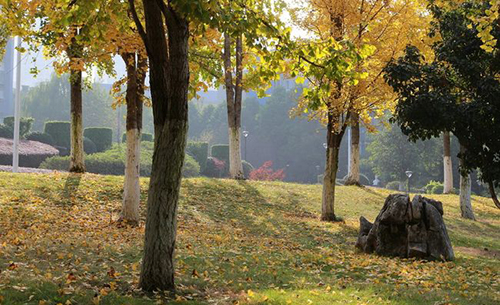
465	193
77	163
169	80
234	99
448	166
493	194
353	177
333	141
132	189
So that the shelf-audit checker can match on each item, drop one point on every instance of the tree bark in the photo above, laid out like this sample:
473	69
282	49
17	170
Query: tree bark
333	141
353	177
465	193
234	94
77	161
135	84
447	163
493	194
169	80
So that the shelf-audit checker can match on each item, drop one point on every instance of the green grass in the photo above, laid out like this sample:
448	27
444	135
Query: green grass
238	242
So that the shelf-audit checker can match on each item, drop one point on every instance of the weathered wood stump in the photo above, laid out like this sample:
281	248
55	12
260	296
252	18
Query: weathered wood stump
405	228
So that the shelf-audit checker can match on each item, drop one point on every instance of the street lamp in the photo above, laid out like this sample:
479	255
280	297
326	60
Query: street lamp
408	174
317	173
245	135
325	145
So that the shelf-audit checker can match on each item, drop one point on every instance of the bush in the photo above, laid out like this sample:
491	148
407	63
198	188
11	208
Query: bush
101	136
40	137
89	146
266	173
199	151
145	137
247	169
393	185
24	125
221	152
6	132
434	187
112	162
191	168
214	168
31	154
60	132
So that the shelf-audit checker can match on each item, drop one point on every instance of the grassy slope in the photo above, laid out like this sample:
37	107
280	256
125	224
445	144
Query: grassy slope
238	242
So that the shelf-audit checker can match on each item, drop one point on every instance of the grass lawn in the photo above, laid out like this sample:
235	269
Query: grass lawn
238	243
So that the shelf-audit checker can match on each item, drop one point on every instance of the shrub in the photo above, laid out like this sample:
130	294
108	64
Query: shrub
247	168
31	154
266	173
6	132
434	187
145	137
40	137
393	185
191	168
24	125
199	151
214	168
112	162
221	152
89	146
60	132
101	136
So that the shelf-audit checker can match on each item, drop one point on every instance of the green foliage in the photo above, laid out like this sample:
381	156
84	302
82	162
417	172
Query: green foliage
112	162
393	185
215	168
221	152
6	132
145	137
40	137
101	136
60	132
247	168
199	151
24	125
89	146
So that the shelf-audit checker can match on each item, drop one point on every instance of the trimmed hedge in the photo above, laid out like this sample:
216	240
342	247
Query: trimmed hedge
60	132
145	137
221	152
393	185
89	146
101	136
31	154
40	137
112	162
24	125
199	151
6	132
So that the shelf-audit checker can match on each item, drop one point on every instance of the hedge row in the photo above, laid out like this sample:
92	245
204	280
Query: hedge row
102	137
145	137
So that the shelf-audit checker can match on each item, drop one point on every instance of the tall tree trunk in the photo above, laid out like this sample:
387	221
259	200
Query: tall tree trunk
234	94
333	141
465	193
132	190
169	80
353	177
448	166
491	188
77	163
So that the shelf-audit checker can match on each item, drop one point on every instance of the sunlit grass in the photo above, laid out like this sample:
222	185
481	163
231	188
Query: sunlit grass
238	242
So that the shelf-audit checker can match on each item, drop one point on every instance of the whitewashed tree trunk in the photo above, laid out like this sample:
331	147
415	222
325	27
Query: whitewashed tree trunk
447	163
465	194
353	178
132	188
235	164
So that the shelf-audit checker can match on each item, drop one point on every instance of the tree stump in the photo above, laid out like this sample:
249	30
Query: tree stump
405	228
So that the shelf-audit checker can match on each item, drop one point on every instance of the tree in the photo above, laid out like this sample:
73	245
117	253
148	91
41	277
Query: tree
447	164
456	92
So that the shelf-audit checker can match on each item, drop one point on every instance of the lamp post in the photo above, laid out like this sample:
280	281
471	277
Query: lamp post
317	173
408	174
17	110
245	135
325	145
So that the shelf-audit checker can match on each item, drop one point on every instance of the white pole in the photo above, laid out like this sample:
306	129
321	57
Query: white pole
17	110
